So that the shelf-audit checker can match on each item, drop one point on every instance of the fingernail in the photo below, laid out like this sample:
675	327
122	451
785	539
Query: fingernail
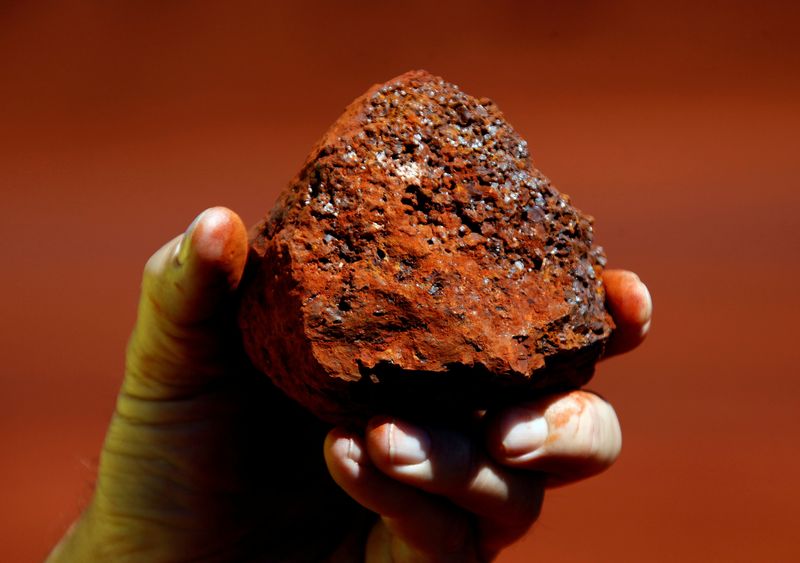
638	289
408	445
526	436
185	246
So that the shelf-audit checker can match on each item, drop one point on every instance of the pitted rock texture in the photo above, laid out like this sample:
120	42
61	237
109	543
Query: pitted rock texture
419	263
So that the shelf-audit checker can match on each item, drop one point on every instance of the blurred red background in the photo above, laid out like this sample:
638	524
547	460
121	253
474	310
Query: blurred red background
675	125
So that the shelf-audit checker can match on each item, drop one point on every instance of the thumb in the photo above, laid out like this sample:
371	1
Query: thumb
184	323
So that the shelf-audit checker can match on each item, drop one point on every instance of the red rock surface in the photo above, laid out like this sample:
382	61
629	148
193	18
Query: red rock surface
419	263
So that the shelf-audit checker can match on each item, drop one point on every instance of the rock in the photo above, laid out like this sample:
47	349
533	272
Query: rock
419	264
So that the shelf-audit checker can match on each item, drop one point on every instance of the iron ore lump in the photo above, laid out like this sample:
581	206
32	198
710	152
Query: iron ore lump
418	263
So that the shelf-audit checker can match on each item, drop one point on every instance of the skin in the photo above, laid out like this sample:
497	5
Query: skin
205	461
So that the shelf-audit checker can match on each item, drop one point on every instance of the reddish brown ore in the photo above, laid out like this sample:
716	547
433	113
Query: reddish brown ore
419	263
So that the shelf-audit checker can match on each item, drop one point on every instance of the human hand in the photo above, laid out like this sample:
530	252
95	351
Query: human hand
463	495
205	460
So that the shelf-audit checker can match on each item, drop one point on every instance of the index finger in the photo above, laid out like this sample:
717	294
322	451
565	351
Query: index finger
628	300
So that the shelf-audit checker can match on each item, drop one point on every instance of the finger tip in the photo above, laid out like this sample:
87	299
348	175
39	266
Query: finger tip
219	238
335	441
628	299
583	439
343	454
643	305
217	229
